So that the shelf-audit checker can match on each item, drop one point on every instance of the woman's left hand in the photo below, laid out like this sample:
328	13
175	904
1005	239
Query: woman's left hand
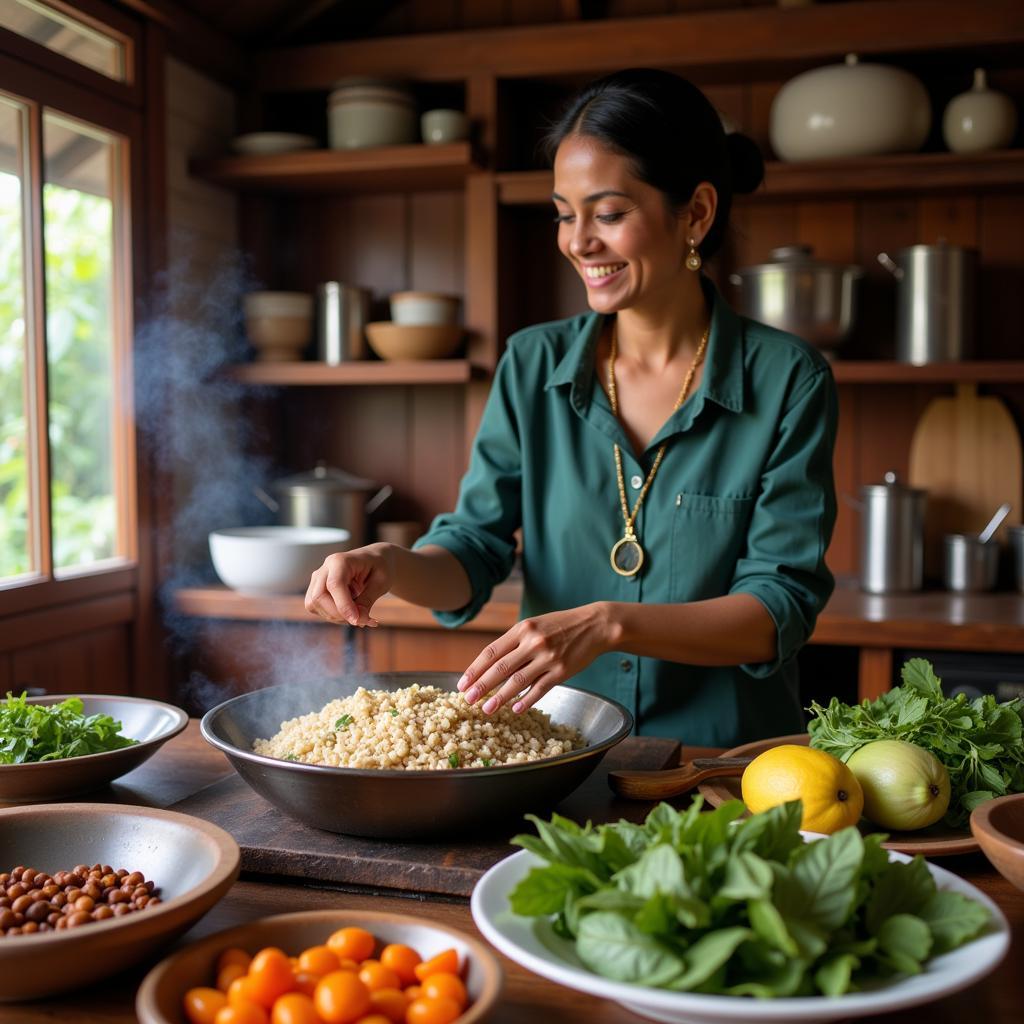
535	655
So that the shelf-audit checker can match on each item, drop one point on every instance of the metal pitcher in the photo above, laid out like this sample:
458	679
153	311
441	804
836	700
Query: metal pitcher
935	309
891	537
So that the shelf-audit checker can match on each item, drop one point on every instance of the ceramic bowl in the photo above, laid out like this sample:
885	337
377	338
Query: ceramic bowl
368	112
998	825
273	559
160	996
413	341
151	722
263	143
278	324
192	862
440	126
424	308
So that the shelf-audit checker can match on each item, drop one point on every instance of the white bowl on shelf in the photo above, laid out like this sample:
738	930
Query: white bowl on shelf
424	308
278	324
264	143
262	560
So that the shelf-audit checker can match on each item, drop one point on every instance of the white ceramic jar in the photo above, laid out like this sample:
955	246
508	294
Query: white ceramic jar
365	112
424	308
443	125
979	119
849	109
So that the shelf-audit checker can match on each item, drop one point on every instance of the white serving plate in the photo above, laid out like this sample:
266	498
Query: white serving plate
532	943
262	143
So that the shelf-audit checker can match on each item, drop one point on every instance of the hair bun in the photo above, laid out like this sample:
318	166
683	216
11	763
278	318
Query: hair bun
747	162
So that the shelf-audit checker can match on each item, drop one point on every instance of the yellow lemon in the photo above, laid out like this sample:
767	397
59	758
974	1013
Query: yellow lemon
830	792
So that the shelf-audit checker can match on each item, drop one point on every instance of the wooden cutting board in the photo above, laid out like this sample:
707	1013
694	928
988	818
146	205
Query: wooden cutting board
966	453
277	846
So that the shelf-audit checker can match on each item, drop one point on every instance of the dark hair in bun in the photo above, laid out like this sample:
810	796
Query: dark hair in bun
671	134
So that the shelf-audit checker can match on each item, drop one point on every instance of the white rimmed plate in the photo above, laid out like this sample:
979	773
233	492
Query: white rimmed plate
263	143
532	943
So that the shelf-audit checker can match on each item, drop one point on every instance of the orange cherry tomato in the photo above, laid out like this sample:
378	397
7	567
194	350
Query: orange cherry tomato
270	976
233	955
229	973
402	960
374	1018
446	962
391	1003
412	992
442	984
352	943
202	1004
340	997
442	1010
244	1013
373	974
319	960
243	990
306	983
294	1008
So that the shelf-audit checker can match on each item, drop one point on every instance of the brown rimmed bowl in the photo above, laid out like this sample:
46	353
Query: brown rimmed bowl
159	999
998	825
151	722
192	862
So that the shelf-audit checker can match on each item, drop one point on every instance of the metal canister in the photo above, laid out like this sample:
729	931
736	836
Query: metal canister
341	314
892	537
970	565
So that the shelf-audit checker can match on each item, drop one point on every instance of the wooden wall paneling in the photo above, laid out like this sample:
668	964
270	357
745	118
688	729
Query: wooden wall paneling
483	252
531	12
436	242
422	650
830	228
844	551
483	14
1001	289
437	456
730	101
96	662
6	673
435	16
952	219
758	108
482	110
757	228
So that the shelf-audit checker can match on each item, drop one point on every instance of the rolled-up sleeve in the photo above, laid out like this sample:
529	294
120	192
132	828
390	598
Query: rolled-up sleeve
479	533
783	565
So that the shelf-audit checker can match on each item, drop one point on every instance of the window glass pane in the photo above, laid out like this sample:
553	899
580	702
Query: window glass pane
17	548
65	35
78	227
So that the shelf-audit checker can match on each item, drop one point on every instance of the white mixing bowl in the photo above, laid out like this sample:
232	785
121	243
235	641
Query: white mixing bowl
273	559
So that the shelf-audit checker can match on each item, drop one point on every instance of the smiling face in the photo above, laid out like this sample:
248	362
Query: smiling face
615	229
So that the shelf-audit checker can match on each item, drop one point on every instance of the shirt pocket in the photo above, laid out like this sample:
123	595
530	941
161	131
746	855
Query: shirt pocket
709	535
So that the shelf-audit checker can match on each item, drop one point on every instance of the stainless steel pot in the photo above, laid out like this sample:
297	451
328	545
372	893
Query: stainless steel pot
795	292
329	497
891	537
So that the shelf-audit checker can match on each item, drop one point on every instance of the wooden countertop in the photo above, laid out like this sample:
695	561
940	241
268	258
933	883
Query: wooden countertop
186	764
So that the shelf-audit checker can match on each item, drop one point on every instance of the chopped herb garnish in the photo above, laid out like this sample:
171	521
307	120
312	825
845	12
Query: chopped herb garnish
487	762
453	760
344	722
394	713
290	757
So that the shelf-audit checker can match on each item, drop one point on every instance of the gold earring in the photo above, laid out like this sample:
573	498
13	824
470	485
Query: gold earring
693	260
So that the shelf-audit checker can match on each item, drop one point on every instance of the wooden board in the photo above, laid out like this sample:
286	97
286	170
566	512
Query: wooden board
275	845
966	452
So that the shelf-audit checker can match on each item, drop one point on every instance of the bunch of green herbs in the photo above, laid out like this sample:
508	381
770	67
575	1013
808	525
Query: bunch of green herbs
701	902
50	732
980	741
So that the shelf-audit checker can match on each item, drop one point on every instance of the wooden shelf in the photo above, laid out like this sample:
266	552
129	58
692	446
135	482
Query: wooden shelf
904	172
889	372
358	372
416	168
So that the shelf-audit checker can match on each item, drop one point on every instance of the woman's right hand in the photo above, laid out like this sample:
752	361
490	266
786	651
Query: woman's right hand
345	588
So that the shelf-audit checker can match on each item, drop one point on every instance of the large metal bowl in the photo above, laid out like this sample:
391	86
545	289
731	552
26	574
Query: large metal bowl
406	804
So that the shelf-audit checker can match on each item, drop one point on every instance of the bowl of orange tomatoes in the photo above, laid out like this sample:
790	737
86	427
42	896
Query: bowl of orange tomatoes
325	967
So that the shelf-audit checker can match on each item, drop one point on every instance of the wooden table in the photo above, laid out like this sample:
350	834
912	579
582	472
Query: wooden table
187	763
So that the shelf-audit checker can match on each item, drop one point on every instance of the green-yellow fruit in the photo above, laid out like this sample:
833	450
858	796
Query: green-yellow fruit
905	787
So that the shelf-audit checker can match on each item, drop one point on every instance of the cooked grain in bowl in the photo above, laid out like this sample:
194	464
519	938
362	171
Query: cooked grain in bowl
418	727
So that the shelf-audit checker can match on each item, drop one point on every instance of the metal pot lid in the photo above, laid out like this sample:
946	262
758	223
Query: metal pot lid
798	257
891	485
324	478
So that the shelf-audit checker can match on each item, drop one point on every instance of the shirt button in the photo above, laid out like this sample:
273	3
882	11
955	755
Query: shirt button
626	665
636	482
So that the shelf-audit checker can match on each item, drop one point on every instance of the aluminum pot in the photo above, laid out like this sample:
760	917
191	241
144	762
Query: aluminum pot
329	497
795	292
891	537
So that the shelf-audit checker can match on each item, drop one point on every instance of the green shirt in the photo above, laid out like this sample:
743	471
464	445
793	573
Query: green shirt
744	502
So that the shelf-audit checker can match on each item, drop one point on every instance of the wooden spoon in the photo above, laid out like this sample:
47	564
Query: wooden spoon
669	782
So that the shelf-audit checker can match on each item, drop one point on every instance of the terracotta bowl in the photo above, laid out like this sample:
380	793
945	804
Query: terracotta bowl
192	862
159	999
998	825
413	341
151	722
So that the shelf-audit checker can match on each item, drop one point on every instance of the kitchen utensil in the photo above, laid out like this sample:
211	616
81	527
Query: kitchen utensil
969	564
532	943
937	840
330	497
998	825
795	292
151	722
891	536
980	119
935	307
995	522
670	782
341	314
1016	534
423	308
441	125
406	804
966	452
273	559
278	324
365	112
413	341
264	143
192	862
849	109
160	996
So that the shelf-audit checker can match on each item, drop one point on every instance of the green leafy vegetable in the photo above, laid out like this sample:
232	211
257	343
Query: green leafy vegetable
50	732
453	759
981	742
344	722
701	902
487	762
394	713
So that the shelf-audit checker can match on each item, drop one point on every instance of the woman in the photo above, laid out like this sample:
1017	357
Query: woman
669	462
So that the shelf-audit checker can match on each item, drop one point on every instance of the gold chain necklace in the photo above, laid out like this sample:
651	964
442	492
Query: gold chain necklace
627	556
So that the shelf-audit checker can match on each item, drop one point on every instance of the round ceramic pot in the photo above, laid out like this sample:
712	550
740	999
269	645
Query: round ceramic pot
366	112
849	109
441	126
979	119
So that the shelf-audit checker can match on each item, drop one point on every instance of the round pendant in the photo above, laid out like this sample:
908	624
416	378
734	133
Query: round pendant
627	556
